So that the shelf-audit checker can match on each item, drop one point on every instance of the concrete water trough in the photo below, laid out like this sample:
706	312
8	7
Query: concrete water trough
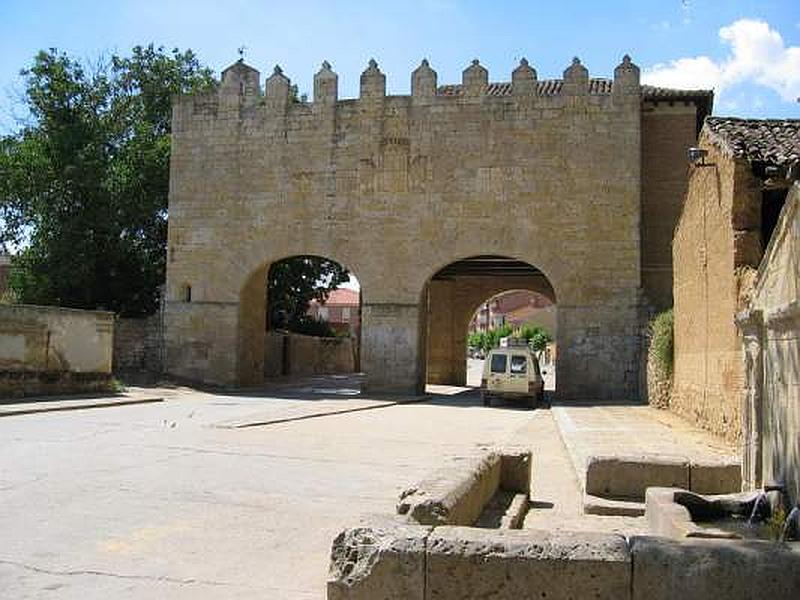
441	545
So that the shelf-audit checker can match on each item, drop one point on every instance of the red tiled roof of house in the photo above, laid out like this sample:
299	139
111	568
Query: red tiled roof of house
343	297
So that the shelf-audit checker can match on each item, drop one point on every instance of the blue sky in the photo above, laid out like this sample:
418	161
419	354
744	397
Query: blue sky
748	50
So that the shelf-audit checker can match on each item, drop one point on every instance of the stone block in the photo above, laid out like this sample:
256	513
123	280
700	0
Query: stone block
665	516
594	505
383	561
455	495
702	569
627	477
722	477
466	563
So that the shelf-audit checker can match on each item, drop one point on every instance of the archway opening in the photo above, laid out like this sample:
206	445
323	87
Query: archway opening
522	314
459	290
299	316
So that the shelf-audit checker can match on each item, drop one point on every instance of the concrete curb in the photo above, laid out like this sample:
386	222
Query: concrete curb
323	413
32	409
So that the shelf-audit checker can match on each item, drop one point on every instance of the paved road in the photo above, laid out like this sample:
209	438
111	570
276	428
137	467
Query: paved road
157	501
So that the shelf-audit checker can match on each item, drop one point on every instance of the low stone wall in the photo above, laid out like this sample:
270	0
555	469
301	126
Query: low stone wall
394	561
628	477
51	350
294	354
139	344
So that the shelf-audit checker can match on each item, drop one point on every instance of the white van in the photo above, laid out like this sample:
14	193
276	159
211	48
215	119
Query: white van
512	372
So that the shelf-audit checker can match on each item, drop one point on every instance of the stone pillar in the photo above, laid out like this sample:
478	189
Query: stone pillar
200	341
442	367
326	86
523	79
277	90
391	351
252	328
241	85
626	79
751	325
576	79
475	79
598	351
373	82
423	81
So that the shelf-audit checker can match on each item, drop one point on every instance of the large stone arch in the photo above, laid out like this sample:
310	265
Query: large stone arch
251	318
452	301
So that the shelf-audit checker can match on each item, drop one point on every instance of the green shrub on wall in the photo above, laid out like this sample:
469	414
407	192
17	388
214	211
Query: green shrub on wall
662	341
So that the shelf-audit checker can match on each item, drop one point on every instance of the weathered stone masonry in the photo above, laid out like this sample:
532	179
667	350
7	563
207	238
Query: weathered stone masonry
397	187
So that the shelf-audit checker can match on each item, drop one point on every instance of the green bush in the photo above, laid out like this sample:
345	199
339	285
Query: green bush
662	341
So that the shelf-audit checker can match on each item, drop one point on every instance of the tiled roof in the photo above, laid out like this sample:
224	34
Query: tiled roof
551	87
773	141
703	99
342	297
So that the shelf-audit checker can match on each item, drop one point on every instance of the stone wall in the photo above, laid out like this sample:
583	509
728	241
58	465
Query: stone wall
46	349
139	344
396	187
772	358
716	246
668	129
307	355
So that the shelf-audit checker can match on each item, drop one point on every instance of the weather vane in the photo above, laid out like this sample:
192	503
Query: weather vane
241	51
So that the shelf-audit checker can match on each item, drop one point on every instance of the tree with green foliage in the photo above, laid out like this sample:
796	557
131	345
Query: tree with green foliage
537	337
84	184
293	283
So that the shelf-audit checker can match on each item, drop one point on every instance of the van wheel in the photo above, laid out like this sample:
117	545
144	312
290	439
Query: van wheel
487	401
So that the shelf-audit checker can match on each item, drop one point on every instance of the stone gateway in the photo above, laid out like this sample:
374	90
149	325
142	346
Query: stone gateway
570	188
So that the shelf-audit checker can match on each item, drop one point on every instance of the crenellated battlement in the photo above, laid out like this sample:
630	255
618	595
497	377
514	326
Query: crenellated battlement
240	88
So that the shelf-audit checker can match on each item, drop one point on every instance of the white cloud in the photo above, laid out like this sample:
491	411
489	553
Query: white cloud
757	55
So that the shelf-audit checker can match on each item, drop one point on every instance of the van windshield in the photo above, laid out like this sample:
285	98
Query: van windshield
519	364
498	363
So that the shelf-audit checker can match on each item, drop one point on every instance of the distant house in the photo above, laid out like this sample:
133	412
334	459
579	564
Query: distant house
342	310
515	308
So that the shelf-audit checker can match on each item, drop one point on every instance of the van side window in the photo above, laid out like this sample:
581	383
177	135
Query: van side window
519	364
498	363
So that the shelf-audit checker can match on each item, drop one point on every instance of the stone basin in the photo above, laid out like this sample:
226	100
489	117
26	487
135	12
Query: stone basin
668	515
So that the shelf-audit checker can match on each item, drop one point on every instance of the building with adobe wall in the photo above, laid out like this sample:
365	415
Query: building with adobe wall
736	193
